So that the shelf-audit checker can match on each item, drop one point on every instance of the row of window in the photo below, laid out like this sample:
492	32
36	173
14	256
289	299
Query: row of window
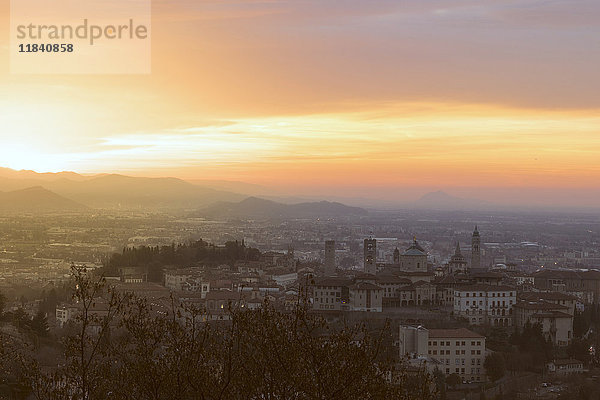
322	293
458	352
483	294
326	300
462	371
457	343
481	303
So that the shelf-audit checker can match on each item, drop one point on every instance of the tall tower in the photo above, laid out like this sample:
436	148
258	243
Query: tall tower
370	255
476	249
396	256
329	257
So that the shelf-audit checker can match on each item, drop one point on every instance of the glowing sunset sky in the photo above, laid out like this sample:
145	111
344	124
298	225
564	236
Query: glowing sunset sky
302	95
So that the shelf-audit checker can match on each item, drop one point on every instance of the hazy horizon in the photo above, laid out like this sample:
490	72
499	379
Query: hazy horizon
480	198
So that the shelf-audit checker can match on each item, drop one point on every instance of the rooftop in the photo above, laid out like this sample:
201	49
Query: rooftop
454	333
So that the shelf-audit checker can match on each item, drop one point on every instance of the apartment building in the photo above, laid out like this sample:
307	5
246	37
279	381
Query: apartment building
485	304
460	351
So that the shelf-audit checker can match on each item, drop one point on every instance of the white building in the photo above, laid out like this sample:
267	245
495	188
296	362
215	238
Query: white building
366	296
285	279
174	279
460	351
186	280
485	304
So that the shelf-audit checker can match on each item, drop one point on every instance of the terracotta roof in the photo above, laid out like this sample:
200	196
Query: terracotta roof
482	287
388	279
487	275
453	333
332	281
365	286
546	296
222	295
539	305
415	273
551	314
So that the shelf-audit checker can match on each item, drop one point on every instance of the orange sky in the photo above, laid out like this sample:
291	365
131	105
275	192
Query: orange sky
326	94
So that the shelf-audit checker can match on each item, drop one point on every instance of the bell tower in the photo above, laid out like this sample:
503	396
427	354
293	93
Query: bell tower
476	249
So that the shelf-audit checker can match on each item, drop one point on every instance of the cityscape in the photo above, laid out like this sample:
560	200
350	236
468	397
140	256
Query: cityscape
299	200
483	303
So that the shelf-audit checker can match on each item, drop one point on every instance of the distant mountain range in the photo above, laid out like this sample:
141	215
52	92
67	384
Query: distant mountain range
37	200
118	191
67	191
254	207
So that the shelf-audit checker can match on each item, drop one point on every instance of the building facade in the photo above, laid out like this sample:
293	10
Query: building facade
485	304
460	351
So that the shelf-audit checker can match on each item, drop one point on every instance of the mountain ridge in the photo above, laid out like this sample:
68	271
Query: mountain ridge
255	207
37	199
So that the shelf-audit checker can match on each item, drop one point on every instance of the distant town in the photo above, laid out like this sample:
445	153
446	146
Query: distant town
478	301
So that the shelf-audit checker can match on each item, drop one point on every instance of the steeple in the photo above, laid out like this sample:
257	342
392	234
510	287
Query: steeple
457	250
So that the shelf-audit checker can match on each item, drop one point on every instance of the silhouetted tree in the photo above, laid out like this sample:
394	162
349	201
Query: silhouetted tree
494	366
39	324
135	351
453	380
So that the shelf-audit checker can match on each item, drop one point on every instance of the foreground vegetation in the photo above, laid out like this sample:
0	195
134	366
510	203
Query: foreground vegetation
133	352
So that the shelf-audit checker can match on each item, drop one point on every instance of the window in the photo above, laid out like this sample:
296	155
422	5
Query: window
447	343
458	343
478	343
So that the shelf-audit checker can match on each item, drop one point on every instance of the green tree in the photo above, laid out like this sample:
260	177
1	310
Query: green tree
494	366
2	303
39	324
453	380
